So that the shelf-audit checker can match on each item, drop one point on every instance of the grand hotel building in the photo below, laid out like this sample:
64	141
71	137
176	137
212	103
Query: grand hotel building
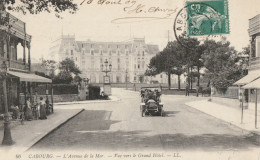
129	59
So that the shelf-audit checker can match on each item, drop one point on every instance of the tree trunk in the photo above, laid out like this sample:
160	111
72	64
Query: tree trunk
179	82
198	82
169	80
191	78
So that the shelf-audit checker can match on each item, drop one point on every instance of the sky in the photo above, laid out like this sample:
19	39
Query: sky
95	22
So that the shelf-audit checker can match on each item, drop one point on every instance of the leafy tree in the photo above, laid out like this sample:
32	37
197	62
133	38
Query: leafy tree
167	61
68	70
69	66
63	78
190	50
221	63
37	6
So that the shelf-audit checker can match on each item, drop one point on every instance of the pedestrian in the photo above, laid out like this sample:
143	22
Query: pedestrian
42	109
187	89
15	110
197	90
28	110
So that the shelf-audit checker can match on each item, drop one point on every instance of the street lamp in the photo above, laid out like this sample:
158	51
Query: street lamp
7	139
107	70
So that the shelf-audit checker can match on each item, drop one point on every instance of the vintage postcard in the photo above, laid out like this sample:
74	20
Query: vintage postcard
129	79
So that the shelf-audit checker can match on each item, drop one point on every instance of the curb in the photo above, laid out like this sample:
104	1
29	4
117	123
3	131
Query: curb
88	102
55	128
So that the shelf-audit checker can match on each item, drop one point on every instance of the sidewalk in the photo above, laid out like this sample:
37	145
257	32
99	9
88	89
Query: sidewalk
31	132
112	99
228	114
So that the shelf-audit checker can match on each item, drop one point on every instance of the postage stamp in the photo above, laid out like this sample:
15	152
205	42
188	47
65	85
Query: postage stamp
207	17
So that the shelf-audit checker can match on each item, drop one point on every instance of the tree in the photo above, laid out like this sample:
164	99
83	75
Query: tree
38	6
221	63
68	70
167	61
191	53
69	66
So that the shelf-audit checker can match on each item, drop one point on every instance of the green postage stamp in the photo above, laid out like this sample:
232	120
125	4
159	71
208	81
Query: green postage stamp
209	17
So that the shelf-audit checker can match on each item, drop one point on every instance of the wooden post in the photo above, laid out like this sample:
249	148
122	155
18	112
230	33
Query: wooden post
52	98
24	52
255	108
240	97
29	56
25	95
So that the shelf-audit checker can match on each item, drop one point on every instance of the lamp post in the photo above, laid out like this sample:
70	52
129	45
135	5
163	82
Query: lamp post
106	70
106	85
7	139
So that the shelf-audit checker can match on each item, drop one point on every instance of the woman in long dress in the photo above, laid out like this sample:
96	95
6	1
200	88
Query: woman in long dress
28	110
42	109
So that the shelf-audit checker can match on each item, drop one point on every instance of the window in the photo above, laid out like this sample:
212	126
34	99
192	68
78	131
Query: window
126	53
110	53
143	53
101	52
108	46
82	45
143	64
118	60
92	52
91	45
116	46
125	46
138	66
71	52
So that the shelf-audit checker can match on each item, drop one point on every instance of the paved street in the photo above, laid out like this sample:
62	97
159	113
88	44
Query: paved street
118	126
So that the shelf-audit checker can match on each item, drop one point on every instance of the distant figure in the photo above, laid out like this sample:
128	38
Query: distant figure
187	89
28	110
197	90
42	109
15	110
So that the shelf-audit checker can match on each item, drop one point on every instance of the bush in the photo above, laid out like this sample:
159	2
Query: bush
94	92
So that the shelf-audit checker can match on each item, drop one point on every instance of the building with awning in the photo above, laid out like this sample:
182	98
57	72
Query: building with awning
15	63
253	75
254	61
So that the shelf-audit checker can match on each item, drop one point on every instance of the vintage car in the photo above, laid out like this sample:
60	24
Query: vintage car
151	102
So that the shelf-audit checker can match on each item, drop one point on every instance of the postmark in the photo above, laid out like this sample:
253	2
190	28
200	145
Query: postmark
201	19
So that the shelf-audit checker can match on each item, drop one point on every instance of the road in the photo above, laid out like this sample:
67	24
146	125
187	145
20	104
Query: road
118	126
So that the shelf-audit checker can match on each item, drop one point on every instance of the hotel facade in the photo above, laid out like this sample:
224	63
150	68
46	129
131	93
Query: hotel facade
129	59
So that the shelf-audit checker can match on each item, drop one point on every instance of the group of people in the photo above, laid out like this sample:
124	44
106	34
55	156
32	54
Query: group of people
37	109
147	94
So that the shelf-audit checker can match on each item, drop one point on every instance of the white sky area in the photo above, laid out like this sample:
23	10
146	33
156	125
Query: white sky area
94	22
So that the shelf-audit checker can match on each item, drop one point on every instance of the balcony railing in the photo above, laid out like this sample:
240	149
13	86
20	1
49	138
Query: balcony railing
18	65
